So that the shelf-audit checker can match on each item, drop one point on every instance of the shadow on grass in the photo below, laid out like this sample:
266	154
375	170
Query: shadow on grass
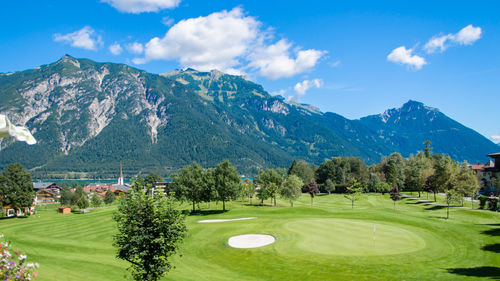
435	207
412	202
482	271
492	232
492	248
258	205
206	212
19	217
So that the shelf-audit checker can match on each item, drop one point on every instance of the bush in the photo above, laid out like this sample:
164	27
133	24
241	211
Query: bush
492	204
482	201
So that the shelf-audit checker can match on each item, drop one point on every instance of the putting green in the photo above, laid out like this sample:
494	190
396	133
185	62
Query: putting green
353	237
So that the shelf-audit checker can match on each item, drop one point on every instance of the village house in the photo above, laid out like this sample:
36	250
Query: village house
47	192
486	172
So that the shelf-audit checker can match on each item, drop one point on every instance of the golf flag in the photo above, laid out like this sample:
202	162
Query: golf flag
7	129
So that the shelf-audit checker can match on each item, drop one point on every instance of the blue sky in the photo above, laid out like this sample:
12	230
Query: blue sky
354	58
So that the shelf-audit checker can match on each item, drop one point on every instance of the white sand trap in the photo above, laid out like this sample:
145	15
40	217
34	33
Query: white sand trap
250	241
224	220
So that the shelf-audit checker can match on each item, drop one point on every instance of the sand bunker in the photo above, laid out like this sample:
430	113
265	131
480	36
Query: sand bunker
224	220
250	241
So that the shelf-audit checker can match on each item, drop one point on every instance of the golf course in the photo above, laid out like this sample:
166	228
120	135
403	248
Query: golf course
326	241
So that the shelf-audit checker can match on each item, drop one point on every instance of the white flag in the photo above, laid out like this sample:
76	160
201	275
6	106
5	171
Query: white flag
7	129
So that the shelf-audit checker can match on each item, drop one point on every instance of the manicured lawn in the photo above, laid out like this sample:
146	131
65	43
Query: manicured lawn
327	241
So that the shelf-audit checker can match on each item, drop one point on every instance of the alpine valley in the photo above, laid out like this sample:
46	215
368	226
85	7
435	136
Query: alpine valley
88	117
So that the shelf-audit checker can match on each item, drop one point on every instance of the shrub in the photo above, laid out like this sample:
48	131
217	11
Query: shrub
492	204
482	201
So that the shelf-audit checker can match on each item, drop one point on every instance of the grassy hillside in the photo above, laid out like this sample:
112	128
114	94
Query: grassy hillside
327	241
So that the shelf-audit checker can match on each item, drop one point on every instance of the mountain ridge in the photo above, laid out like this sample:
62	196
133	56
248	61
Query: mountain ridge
90	116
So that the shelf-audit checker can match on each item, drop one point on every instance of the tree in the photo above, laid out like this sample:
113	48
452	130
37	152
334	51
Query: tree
394	167
312	189
452	196
382	187
248	189
152	179
292	188
329	186
83	202
227	181
467	183
150	229
188	184
16	187
95	200
270	181
445	174
418	169
302	170
354	192
109	197
395	196
67	197
428	148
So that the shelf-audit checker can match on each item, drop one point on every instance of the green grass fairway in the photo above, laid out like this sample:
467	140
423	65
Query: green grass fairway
327	241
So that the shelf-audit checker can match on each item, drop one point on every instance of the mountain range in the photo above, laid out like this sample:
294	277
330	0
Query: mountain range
89	117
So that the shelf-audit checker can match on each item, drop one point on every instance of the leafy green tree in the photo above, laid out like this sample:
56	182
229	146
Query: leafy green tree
382	187
83	202
67	197
417	171
95	200
291	188
270	181
16	187
302	170
445	175
329	186
208	190
152	179
354	192
248	189
109	197
428	148
467	183
312	189
227	182
452	197
150	229
394	167
189	183
79	191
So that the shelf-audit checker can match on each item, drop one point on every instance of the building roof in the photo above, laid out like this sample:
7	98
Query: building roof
477	166
494	155
41	185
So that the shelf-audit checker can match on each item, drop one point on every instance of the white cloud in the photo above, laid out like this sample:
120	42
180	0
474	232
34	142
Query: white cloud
274	61
135	48
301	88
115	49
466	36
402	55
140	6
168	21
435	43
232	42
278	93
84	38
